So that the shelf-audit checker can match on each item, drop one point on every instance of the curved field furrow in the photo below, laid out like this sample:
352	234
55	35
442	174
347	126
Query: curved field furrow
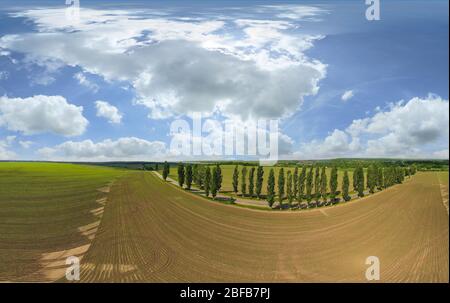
151	231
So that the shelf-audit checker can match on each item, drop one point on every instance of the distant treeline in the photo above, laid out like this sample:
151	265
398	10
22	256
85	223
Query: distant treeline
350	164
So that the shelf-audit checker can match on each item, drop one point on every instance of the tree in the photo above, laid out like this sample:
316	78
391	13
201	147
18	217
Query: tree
195	173
200	176
309	185
181	174
214	182
259	180
371	178
207	181
345	187
333	183
188	176
289	188
295	183
379	178
251	182
235	179
360	185
355	179
166	170
323	184
317	184
301	184
271	188
156	167
219	177
281	186
244	181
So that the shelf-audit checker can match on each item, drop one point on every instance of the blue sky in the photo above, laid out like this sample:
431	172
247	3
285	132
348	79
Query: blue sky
108	86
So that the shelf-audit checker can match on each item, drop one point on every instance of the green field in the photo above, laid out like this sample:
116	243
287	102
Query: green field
227	172
42	205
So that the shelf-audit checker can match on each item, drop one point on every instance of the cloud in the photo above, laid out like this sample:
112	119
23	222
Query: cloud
85	82
127	148
347	95
26	144
42	114
5	152
237	66
108	111
403	130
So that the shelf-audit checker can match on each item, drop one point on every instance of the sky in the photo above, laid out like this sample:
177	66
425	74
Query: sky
108	84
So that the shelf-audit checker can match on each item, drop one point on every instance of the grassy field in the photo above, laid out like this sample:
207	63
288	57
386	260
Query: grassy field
152	231
42	207
227	172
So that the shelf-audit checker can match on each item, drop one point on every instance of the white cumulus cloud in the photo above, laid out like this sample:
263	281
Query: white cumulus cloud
404	129
347	95
126	148
245	68
108	111
42	114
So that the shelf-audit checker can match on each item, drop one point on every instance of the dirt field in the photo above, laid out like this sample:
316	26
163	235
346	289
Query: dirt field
151	231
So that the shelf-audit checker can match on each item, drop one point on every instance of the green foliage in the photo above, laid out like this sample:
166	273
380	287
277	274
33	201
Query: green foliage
345	187
244	181
271	188
219	177
181	174
289	188
189	176
317	183
295	183
259	181
235	179
207	181
309	185
301	184
251	182
281	182
333	182
166	169
323	184
215	179
360	181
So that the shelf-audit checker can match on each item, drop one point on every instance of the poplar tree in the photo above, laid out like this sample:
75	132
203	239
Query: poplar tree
207	180
235	179
360	185
271	188
181	174
214	182
219	177
244	181
188	176
251	182
333	183
323	184
295	183
301	184
345	187
166	170
379	178
259	181
281	186
317	183
309	185
289	188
